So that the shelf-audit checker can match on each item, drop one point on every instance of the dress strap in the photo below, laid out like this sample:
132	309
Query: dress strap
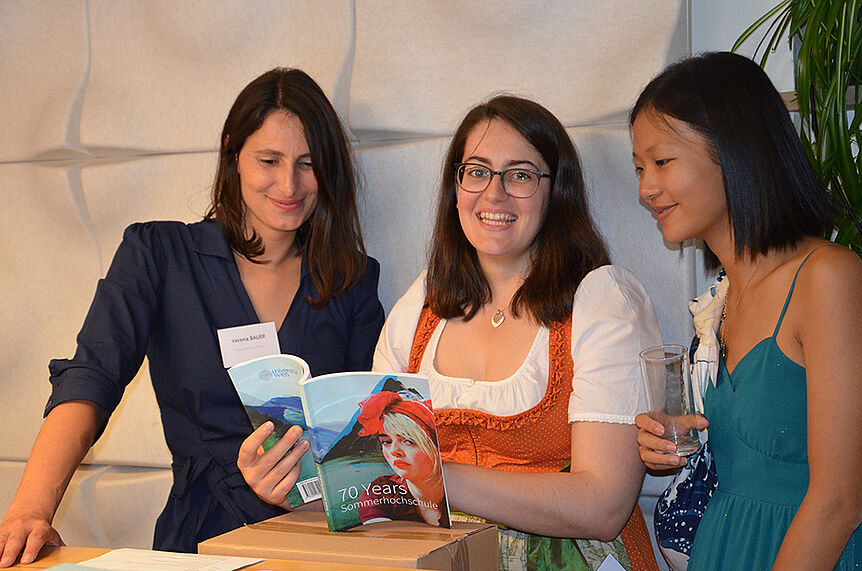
793	285
427	324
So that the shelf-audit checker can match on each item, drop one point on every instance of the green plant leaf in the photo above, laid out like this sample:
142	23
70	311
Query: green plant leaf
828	74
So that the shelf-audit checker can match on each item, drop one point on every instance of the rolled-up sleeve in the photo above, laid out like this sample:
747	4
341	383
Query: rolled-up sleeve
613	319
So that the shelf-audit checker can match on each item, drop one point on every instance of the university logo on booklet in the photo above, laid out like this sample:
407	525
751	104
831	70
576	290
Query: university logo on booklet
374	442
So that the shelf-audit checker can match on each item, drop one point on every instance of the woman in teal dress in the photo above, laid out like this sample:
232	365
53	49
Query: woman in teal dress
717	158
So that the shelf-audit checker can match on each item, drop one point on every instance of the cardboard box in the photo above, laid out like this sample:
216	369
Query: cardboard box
303	536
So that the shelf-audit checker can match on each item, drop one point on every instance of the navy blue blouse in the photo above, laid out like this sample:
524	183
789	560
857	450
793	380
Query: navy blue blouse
170	287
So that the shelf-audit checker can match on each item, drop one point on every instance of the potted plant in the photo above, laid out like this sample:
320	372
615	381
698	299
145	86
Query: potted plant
827	39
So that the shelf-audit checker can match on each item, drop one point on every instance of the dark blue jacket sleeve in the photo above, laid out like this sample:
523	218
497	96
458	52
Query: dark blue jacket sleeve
113	340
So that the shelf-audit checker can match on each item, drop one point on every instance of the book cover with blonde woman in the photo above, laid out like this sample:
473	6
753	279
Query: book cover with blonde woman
374	442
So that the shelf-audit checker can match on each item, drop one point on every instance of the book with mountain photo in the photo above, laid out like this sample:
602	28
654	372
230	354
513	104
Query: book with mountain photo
269	390
374	442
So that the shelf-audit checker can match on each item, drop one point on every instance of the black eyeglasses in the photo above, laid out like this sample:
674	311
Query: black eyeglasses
517	182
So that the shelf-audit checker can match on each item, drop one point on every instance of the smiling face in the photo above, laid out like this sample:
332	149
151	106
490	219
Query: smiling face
278	185
405	455
500	227
680	180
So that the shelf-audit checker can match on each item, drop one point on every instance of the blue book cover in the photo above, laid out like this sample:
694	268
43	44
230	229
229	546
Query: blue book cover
374	442
269	390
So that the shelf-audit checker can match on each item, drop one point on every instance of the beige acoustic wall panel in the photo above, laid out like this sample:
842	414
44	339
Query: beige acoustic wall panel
113	506
397	208
43	67
10	475
50	268
163	75
419	64
166	187
104	506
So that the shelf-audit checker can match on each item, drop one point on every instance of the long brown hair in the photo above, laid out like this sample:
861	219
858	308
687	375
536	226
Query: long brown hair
330	238
566	248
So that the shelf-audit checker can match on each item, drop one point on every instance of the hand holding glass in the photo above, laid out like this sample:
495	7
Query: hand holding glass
670	396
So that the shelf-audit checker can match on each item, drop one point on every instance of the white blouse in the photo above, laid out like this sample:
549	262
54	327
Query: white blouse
613	319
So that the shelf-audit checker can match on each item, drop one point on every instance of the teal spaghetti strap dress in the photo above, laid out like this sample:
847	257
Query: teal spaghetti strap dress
757	433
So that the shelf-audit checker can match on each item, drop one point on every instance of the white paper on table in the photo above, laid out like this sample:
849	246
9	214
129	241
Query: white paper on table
72	567
145	560
610	564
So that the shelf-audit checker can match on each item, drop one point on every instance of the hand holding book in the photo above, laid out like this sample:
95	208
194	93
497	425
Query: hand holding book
269	390
273	473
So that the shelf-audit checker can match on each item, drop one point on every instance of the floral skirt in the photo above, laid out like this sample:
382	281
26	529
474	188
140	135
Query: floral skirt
520	551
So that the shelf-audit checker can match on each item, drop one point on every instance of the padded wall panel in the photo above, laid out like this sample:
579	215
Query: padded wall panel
64	224
43	66
163	75
418	65
167	187
104	506
10	475
630	230
113	506
134	435
50	268
397	209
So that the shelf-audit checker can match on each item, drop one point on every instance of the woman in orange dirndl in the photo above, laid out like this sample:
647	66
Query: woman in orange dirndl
530	341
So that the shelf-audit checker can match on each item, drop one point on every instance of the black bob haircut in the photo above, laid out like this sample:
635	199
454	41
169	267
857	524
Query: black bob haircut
774	196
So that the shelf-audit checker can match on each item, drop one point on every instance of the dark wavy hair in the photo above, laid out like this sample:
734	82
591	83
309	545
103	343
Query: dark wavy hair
567	245
331	238
774	196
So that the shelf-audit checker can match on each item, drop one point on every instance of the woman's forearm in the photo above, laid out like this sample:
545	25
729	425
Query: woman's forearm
552	504
593	501
64	439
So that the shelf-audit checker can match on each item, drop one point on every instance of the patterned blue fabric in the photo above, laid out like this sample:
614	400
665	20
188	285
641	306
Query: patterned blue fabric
680	507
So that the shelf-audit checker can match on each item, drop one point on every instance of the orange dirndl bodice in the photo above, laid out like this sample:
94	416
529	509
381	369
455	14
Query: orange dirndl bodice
536	440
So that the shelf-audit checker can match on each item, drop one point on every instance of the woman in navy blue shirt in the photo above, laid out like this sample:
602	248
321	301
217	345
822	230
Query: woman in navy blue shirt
280	243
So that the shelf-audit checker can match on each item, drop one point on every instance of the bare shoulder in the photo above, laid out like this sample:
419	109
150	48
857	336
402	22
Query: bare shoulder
828	296
831	273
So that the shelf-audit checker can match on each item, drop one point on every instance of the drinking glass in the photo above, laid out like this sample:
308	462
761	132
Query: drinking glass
667	379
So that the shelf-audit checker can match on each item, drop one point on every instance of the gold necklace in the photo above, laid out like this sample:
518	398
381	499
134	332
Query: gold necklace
499	317
722	339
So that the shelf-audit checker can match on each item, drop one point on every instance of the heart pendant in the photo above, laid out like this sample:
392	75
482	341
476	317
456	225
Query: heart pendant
497	319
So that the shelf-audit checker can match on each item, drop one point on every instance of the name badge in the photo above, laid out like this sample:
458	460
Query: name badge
247	342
